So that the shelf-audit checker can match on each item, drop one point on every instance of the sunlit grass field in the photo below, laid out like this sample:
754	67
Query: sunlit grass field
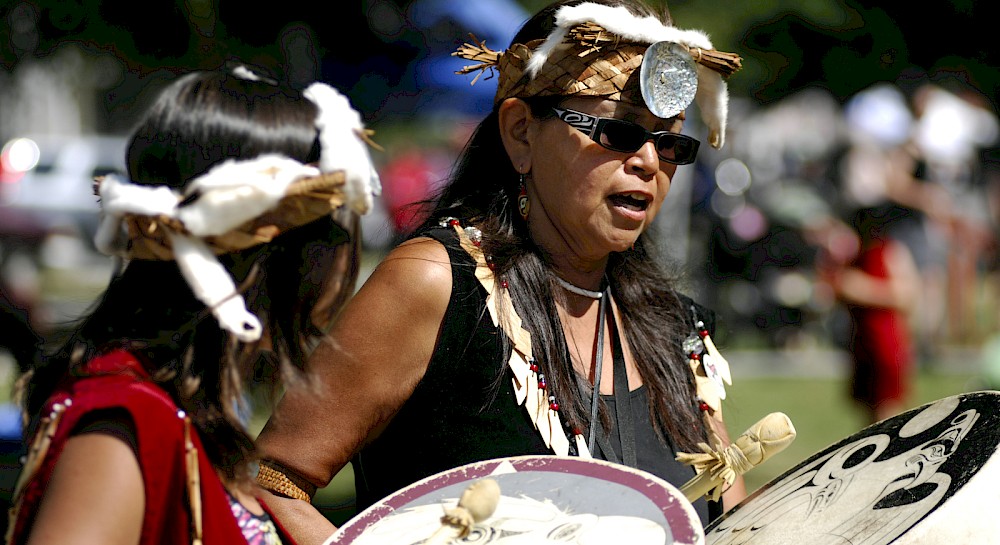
821	411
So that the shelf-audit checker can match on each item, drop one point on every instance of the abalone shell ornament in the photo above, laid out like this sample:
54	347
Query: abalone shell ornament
667	78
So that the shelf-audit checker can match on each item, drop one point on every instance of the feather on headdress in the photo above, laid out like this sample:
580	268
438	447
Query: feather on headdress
597	50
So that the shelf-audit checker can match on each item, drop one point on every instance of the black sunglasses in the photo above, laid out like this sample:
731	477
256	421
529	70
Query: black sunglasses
625	136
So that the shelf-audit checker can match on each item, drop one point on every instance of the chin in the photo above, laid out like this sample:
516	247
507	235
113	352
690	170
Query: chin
623	245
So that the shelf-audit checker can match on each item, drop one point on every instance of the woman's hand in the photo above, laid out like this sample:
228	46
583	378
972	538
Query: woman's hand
306	524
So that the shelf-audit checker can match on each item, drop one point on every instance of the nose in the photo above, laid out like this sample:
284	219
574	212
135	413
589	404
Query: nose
645	160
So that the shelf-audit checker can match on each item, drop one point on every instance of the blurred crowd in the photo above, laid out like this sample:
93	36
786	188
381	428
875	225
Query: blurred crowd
761	226
919	154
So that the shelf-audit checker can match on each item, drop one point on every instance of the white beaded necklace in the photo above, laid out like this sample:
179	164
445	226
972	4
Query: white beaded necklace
578	290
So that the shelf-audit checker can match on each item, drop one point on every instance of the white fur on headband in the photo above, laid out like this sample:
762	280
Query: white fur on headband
712	96
245	73
228	195
212	285
343	148
120	197
235	192
619	21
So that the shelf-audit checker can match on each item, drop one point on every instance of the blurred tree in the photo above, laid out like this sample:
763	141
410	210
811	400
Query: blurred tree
365	47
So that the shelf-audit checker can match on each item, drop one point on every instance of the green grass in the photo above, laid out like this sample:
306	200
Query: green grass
819	408
821	411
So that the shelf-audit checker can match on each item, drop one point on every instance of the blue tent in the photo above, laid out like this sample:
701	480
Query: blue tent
446	24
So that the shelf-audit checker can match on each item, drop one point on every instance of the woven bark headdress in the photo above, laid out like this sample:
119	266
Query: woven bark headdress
239	204
604	51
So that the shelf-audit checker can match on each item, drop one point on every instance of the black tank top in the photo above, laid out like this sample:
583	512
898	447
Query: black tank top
464	410
652	455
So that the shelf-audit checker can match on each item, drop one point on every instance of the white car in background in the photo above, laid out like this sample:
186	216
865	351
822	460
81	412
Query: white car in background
54	193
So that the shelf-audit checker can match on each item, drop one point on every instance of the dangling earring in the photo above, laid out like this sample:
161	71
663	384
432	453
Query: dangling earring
523	204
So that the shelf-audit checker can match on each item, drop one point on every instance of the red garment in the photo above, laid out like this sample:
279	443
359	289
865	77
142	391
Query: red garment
118	381
407	180
881	343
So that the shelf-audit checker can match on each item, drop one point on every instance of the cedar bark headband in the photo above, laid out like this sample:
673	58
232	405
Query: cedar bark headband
604	51
239	204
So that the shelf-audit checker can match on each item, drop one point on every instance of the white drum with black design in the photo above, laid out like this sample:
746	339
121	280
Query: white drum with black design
927	476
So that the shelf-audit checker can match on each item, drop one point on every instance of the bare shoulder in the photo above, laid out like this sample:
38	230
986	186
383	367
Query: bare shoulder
418	268
378	349
405	298
422	254
101	472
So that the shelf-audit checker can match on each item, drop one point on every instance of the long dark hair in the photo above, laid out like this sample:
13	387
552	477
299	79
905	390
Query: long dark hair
148	308
483	190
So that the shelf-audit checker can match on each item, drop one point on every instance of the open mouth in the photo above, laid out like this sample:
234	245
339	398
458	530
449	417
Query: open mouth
631	201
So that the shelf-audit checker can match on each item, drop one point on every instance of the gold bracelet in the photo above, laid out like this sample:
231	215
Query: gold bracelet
276	481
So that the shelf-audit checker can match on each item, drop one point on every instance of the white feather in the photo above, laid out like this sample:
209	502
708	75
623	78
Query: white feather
617	20
340	127
245	73
542	52
620	21
713	102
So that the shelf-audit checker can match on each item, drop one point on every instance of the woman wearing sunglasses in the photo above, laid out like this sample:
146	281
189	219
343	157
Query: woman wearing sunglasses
528	314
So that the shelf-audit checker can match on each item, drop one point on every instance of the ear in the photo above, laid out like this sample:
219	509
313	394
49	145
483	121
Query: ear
515	119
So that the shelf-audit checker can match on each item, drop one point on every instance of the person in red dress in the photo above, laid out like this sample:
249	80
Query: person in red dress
880	287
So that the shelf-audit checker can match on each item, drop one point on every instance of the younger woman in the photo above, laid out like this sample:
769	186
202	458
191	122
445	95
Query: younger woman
227	226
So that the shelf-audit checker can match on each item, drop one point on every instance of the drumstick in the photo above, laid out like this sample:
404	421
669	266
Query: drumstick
718	467
477	504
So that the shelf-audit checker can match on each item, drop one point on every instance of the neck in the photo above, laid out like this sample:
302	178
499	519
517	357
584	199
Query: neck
569	260
577	290
585	274
580	287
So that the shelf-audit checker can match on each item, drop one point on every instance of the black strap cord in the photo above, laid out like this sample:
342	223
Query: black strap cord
598	357
623	403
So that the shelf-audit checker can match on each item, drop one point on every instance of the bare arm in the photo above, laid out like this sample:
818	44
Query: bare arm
95	495
377	352
900	290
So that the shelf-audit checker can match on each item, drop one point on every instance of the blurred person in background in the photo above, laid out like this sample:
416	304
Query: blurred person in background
528	314
914	150
227	222
880	285
953	126
414	173
882	167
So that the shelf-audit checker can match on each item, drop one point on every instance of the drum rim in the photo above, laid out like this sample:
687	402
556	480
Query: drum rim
665	496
